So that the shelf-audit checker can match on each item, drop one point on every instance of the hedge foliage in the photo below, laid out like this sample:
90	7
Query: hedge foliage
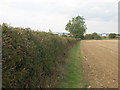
32	59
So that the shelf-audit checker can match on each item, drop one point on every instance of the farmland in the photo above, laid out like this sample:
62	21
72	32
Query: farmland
101	62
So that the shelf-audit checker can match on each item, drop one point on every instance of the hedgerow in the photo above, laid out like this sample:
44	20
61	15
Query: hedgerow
32	59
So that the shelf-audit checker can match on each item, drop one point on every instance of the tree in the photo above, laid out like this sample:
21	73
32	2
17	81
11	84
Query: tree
88	36
112	35
76	27
92	36
97	37
118	34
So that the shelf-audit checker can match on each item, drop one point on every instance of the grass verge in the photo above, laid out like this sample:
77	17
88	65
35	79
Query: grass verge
74	75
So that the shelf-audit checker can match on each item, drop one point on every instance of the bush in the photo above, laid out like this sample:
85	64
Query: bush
32	59
64	35
97	37
88	36
92	36
112	35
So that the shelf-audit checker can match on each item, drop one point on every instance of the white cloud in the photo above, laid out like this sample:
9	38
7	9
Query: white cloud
54	14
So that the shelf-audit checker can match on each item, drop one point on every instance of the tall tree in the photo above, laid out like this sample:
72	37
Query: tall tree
76	27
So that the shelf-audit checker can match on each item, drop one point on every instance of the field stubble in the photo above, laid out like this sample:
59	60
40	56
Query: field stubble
101	62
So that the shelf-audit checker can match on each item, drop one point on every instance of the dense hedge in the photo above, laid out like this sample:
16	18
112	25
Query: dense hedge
32	59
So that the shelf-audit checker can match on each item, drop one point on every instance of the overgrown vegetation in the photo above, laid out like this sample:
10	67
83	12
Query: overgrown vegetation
74	74
112	35
32	59
96	36
92	36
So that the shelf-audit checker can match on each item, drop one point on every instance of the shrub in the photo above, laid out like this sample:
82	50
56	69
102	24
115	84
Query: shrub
97	37
88	36
112	35
32	59
64	35
92	36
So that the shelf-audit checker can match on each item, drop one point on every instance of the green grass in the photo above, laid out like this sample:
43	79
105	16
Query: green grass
74	76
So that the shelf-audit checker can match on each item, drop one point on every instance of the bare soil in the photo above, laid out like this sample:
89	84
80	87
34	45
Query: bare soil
101	63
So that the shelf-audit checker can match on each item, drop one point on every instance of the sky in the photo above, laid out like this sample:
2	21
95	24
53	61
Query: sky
101	16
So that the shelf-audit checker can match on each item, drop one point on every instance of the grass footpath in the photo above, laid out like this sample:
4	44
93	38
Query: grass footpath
74	76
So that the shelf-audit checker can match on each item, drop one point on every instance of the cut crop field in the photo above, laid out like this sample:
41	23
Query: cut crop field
101	62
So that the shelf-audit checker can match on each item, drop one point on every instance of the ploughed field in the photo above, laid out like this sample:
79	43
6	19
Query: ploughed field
101	62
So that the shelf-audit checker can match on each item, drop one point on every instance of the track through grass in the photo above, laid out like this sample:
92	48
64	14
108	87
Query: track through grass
74	76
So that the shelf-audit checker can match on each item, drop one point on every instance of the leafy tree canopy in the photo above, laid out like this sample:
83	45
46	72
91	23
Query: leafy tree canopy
76	27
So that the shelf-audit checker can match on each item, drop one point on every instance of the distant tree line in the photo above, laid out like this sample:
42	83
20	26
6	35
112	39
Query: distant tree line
95	36
98	37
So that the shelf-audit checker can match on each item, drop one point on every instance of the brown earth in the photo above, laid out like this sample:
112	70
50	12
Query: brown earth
101	63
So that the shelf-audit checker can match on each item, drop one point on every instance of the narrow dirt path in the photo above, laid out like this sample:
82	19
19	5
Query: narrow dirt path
101	62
